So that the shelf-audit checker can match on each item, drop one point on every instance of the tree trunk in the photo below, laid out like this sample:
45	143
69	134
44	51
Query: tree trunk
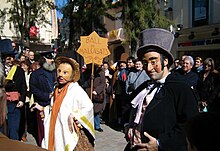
133	47
27	27
71	27
22	38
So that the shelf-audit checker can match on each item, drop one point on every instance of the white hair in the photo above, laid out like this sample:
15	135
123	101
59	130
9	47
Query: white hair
190	58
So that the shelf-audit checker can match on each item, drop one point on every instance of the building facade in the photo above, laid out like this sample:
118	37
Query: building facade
46	31
197	28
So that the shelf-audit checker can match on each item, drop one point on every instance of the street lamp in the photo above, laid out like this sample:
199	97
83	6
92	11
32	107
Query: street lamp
179	27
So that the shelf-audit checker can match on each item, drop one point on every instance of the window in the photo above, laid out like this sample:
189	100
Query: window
200	12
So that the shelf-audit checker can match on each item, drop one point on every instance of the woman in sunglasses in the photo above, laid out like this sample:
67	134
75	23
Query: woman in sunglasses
208	87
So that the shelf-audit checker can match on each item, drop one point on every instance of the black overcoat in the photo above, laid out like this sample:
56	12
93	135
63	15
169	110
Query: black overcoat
167	113
99	85
18	83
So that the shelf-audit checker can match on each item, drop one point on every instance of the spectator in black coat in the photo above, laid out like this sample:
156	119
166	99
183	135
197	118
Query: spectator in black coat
209	87
16	93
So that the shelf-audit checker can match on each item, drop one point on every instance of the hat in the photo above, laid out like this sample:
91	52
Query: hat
73	63
8	54
124	57
5	45
48	54
156	39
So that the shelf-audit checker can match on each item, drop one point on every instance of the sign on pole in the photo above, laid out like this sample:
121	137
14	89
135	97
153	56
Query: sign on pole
94	49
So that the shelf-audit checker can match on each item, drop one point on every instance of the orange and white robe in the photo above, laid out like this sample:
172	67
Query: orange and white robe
77	103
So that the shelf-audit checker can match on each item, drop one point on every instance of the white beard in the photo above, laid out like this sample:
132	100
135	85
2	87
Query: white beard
49	67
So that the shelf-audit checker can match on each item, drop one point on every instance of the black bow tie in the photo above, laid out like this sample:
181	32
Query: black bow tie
155	85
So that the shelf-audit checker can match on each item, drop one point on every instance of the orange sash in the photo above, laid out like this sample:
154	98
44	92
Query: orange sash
58	99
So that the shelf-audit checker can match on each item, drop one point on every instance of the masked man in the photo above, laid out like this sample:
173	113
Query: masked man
68	120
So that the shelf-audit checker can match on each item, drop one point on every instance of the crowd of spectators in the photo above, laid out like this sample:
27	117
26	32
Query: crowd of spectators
25	81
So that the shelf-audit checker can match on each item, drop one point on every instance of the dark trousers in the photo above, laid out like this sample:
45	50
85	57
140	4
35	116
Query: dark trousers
105	114
14	116
118	105
22	128
32	125
126	109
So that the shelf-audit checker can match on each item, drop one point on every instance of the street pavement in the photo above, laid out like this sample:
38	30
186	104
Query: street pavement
110	139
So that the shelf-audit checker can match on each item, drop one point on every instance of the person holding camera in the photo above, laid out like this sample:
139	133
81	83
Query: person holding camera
136	77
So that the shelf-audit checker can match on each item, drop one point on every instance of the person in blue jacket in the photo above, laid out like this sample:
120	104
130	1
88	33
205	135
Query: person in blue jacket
42	82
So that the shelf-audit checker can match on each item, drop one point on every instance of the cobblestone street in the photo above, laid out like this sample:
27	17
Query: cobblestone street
109	140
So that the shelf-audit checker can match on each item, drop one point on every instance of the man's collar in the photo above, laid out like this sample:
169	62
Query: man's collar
187	72
163	79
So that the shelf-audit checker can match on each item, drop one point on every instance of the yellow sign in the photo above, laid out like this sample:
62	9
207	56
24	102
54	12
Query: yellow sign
93	48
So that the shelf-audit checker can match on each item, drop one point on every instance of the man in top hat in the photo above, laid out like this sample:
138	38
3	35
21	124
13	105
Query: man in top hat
162	105
15	88
42	82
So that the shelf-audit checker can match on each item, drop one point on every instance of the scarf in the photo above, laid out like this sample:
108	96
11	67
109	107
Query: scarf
138	102
122	75
58	99
11	73
139	99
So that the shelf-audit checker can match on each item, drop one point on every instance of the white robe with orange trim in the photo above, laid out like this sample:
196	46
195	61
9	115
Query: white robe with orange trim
77	103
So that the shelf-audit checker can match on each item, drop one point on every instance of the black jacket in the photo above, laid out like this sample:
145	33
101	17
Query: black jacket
167	113
18	83
209	89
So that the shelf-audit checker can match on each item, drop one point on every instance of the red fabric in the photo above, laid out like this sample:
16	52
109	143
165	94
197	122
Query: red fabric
13	96
34	31
40	129
124	76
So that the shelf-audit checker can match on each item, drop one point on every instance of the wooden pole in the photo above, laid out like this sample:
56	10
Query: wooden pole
92	77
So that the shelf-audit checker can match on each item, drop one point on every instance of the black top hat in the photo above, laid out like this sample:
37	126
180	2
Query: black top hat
156	39
8	54
5	45
48	54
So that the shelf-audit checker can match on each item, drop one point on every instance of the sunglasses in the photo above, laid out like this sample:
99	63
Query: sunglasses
209	65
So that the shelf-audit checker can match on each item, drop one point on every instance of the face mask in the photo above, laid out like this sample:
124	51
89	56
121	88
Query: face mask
64	73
